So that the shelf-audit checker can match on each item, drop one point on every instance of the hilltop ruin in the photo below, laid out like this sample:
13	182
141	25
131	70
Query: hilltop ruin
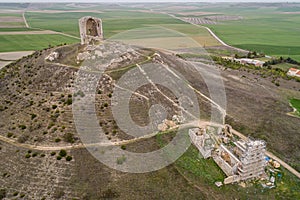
91	30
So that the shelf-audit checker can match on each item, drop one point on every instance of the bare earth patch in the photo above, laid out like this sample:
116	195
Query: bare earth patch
14	55
10	19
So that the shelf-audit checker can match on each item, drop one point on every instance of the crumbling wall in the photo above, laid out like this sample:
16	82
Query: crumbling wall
91	30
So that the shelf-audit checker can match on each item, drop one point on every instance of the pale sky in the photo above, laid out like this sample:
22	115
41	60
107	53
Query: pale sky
100	1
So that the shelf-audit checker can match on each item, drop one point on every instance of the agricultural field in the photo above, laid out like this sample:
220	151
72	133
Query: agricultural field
32	42
11	20
263	29
113	22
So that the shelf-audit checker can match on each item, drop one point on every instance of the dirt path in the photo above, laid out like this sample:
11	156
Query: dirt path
81	146
24	19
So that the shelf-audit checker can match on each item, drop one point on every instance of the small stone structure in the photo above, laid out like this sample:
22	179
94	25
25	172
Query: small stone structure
90	30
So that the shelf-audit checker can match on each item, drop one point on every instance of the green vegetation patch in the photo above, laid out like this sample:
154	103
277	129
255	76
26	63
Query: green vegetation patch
296	104
32	42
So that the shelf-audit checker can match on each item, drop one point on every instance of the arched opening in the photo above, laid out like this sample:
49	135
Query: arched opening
91	27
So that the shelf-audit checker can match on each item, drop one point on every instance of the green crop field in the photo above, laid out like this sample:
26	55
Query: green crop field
14	29
113	22
31	42
263	29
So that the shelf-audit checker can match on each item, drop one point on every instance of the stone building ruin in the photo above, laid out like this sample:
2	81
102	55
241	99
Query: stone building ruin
91	30
239	159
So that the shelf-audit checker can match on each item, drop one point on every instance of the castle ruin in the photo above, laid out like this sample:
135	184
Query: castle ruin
90	30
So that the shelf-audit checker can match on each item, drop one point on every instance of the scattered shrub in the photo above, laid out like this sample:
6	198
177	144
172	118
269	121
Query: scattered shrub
121	160
9	135
58	157
69	137
33	116
123	147
57	140
2	193
53	153
63	153
69	101
69	158
23	138
34	154
22	127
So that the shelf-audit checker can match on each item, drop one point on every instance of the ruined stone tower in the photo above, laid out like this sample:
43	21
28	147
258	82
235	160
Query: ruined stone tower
90	30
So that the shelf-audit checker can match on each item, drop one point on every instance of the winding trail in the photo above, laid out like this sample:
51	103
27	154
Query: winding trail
124	142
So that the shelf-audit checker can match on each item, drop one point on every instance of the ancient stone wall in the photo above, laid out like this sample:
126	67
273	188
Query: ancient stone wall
90	30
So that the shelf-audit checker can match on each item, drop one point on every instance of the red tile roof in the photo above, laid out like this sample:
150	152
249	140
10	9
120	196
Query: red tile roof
293	69
298	73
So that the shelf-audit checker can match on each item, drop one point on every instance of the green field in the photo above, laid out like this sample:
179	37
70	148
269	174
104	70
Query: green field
113	22
263	29
296	104
15	29
285	66
31	42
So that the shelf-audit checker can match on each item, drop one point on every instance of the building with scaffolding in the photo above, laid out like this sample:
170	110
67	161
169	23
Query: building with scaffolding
239	160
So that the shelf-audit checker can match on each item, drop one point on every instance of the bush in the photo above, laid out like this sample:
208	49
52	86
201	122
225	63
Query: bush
34	154
9	135
2	193
69	101
58	157
27	155
53	153
69	137
57	140
23	138
22	126
54	106
69	158
63	153
121	160
33	116
123	147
